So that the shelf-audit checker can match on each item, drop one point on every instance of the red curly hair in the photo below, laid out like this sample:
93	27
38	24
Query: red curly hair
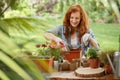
83	24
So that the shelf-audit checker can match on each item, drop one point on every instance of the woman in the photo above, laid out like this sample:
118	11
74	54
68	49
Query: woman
74	32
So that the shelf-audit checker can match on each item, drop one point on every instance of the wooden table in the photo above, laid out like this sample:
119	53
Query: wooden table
69	75
66	75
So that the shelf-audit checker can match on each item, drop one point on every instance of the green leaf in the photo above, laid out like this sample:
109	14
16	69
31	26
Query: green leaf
14	66
3	76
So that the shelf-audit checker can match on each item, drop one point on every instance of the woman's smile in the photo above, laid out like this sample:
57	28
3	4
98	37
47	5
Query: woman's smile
75	19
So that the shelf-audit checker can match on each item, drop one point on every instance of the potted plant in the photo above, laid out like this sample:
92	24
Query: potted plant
103	56
92	55
46	54
104	60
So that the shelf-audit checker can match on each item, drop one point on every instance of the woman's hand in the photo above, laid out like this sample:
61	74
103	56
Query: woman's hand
85	39
55	39
60	43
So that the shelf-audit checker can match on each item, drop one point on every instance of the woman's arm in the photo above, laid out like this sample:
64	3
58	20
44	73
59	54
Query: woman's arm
94	43
53	33
50	36
89	39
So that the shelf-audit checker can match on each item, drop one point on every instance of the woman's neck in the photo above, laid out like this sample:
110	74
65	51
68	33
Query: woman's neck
75	28
73	35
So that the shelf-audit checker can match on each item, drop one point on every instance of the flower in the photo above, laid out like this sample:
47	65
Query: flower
50	48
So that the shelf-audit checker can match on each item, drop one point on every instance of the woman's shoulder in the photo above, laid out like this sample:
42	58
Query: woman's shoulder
60	26
90	30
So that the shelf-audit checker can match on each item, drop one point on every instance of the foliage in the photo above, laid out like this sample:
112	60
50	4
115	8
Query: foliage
5	4
92	53
10	64
49	49
103	56
9	50
97	10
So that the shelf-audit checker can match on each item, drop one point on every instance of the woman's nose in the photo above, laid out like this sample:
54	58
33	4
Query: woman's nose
74	20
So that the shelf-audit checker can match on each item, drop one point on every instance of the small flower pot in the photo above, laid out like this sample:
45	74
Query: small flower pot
94	63
44	65
108	68
56	65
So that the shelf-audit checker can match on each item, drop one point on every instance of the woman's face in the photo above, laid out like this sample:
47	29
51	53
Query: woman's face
75	19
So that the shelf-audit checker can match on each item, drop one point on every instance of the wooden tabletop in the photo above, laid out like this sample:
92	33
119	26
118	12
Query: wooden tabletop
69	75
66	76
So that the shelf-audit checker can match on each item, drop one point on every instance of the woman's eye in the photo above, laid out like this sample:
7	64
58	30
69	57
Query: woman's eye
76	18
71	17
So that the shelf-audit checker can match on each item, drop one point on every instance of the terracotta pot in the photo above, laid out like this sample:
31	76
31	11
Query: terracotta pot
108	69
73	54
44	65
94	63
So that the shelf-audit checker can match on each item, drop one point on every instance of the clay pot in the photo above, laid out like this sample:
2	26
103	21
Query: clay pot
94	63
73	54
44	65
108	69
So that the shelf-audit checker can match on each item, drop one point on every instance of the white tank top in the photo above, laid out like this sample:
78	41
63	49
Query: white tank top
74	43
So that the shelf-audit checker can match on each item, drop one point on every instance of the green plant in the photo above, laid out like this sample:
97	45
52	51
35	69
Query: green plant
103	56
92	53
49	49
